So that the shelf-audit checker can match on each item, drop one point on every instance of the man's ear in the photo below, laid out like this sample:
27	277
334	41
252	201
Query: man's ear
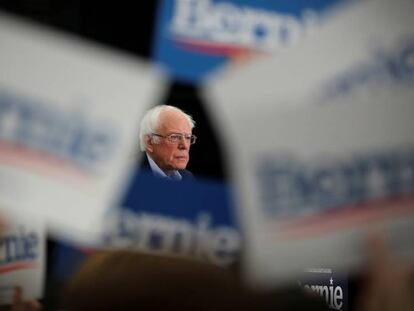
149	143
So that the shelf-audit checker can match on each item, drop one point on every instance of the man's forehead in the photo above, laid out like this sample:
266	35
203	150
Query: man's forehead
171	119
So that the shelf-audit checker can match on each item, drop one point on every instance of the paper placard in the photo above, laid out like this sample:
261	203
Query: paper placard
321	143
69	122
22	258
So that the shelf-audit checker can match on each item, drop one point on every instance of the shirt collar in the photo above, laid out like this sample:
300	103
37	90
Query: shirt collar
160	173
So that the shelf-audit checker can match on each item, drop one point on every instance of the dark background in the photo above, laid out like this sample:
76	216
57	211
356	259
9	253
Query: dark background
128	27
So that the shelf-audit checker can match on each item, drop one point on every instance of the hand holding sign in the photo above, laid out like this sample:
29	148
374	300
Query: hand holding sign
389	279
19	304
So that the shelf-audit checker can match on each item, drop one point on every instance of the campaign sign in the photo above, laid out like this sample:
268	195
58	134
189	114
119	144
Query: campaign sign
192	219
323	153
331	285
22	258
69	117
188	218
195	37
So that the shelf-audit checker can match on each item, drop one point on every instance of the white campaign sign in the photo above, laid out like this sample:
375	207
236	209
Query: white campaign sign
22	258
69	119
321	143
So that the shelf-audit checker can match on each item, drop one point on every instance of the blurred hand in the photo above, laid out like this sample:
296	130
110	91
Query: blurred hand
388	284
20	305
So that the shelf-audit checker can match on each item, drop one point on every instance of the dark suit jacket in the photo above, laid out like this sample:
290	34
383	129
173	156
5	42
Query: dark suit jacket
185	174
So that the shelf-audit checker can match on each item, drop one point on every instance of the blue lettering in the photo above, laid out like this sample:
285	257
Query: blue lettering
18	247
391	67
290	187
68	135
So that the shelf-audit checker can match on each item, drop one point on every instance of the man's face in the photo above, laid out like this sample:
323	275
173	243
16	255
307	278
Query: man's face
171	156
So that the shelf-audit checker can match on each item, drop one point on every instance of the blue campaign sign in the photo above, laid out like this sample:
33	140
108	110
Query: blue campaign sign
331	285
188	218
195	37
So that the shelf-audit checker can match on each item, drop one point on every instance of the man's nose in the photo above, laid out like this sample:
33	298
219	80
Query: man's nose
184	143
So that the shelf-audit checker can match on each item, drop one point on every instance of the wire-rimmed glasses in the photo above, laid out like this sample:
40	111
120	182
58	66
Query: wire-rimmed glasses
175	138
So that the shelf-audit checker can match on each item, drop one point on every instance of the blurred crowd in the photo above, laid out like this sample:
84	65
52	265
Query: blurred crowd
129	280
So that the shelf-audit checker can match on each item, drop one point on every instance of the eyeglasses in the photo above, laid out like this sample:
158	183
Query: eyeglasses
175	138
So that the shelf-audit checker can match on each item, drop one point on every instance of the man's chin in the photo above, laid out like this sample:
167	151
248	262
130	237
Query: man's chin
181	166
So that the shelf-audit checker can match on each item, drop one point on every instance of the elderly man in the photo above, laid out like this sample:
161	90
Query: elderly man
166	137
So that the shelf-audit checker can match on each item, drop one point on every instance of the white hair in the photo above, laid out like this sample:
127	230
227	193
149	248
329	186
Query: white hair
151	122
